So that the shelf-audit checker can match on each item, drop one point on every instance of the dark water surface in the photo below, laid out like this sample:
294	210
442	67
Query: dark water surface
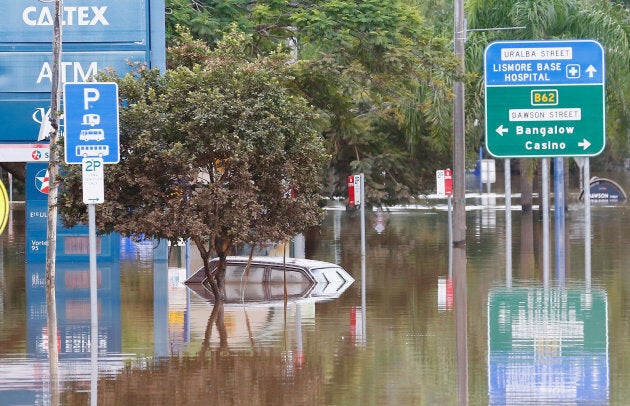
530	338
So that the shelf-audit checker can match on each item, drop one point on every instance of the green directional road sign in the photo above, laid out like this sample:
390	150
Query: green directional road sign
545	98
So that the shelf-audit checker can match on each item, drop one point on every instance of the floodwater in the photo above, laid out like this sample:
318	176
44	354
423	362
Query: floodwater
530	334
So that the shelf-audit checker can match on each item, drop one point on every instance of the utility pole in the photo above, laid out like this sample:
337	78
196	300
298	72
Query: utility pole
51	234
459	133
459	209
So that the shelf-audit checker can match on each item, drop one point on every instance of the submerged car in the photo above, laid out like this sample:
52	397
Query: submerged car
305	278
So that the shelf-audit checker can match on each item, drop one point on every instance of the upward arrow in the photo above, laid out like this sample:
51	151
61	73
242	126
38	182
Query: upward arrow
591	71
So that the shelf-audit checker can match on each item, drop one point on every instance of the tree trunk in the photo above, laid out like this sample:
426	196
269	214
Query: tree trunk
222	246
209	281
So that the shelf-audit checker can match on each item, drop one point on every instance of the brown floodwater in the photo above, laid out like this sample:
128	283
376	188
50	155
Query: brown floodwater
430	327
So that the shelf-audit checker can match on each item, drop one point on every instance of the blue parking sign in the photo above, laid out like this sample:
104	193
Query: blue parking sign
91	122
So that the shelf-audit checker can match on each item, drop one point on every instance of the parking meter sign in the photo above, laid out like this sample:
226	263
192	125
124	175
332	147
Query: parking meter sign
91	122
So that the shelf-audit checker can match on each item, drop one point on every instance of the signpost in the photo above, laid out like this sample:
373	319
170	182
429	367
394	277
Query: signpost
356	197
545	98
92	139
444	179
354	190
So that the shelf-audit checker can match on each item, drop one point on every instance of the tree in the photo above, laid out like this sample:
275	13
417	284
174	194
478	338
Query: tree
377	71
383	78
219	152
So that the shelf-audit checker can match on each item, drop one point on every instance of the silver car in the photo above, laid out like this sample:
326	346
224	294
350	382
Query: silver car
305	278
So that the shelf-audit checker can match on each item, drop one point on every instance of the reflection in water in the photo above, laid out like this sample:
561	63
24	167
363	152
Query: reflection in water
461	323
51	329
152	330
547	346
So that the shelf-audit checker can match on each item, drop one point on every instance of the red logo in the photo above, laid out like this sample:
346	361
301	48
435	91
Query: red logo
42	180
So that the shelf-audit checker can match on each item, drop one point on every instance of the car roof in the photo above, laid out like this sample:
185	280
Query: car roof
300	262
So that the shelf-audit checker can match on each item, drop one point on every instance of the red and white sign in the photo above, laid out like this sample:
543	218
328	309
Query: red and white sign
354	190
24	153
444	180
448	182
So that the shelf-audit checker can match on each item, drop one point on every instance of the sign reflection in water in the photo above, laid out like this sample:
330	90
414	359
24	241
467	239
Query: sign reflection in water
548	345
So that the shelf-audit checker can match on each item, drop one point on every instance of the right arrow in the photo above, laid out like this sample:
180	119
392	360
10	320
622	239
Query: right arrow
584	144
500	130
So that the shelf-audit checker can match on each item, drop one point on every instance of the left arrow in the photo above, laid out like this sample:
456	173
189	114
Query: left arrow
500	130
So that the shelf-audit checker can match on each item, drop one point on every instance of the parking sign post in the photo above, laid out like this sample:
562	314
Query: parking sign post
92	139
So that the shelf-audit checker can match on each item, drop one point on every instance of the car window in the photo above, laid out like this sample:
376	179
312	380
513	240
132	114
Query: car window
236	292
293	276
276	290
236	273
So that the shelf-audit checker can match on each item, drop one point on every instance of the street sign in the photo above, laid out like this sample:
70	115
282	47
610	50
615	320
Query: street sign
91	122
354	190
545	98
444	180
93	180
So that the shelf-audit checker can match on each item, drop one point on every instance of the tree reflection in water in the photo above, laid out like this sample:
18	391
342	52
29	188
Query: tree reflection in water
215	375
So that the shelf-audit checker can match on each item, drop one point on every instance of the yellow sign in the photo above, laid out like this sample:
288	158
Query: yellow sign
4	207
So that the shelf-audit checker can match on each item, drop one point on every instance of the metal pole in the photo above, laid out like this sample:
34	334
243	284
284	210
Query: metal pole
508	223
10	189
449	199
363	261
559	217
545	216
93	301
587	221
